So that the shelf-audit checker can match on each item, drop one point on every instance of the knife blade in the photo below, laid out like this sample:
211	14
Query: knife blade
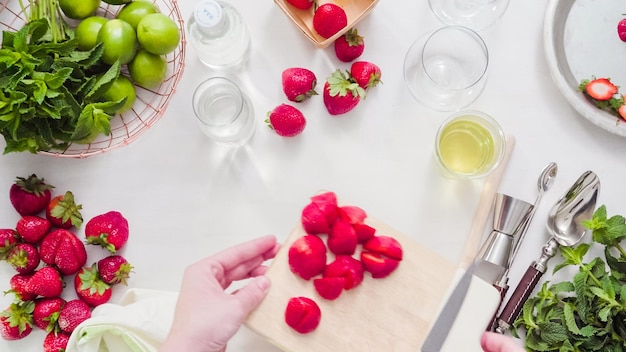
440	329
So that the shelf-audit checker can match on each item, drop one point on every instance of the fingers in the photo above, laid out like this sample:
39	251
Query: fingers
233	256
494	342
251	295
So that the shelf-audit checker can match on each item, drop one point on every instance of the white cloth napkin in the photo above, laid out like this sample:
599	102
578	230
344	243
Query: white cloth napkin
140	322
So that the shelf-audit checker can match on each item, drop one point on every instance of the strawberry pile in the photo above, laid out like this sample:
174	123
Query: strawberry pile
605	95
337	251
44	250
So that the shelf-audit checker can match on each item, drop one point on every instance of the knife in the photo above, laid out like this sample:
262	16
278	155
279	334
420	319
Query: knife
439	331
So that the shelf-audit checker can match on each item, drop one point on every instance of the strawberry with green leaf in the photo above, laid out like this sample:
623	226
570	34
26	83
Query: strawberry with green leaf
8	239
114	269
90	288
73	313
16	322
108	230
349	46
63	212
24	258
56	341
30	195
46	313
341	94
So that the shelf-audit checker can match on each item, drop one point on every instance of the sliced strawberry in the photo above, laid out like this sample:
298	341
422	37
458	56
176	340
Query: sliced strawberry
347	267
327	203
378	265
622	111
329	287
352	214
601	89
307	256
342	238
313	220
385	245
302	314
364	232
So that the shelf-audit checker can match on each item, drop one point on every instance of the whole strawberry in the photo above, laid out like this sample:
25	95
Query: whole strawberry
299	84
72	314
24	258
63	250
16	322
341	94
366	74
108	230
18	287
286	120
46	313
301	4
45	282
30	195
114	269
56	341
329	19
8	239
63	212
32	228
621	29
349	46
90	288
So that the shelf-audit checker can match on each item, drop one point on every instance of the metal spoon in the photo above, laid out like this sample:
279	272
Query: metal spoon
565	226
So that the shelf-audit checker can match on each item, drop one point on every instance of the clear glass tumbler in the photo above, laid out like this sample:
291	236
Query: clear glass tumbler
475	14
224	112
446	70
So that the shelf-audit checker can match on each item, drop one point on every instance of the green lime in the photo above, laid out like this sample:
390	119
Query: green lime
147	70
158	34
120	41
79	9
134	11
117	2
122	87
87	32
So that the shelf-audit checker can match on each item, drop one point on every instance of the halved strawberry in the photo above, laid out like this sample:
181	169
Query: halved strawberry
347	267
313	220
342	238
302	314
378	265
601	89
364	232
385	245
622	111
352	214
327	203
307	256
329	287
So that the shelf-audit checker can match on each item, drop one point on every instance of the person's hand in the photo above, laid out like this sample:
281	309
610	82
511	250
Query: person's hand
206	317
494	342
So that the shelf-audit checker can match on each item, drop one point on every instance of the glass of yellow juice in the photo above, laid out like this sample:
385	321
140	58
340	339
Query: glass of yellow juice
469	144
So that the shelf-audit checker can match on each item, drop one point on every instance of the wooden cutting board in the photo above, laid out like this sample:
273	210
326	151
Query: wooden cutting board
390	314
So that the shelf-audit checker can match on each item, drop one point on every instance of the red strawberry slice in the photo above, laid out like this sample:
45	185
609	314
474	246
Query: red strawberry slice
342	238
352	214
329	287
347	267
307	256
601	89
364	232
378	265
313	220
327	203
621	111
385	245
302	314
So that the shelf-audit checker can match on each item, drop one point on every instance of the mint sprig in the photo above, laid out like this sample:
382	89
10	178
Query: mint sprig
587	313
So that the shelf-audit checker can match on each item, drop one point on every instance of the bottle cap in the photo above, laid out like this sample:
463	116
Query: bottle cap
208	13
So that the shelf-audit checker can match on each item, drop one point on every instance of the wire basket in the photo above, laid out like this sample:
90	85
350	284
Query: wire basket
150	104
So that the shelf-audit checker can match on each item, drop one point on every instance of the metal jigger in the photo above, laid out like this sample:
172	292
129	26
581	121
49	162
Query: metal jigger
509	216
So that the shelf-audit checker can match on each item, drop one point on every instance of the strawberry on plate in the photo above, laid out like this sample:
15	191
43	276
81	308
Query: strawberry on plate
63	212
366	74
347	267
341	94
342	238
381	255
329	19
30	195
307	256
90	288
45	282
302	314
349	46
16	322
62	249
329	287
32	228
299	84
600	88
55	341
108	230
286	120
46	313
114	269
72	314
24	258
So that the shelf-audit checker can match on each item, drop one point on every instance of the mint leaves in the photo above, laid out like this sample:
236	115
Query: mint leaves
51	93
587	313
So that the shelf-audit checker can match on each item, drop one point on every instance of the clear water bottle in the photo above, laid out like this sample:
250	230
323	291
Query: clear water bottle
218	34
